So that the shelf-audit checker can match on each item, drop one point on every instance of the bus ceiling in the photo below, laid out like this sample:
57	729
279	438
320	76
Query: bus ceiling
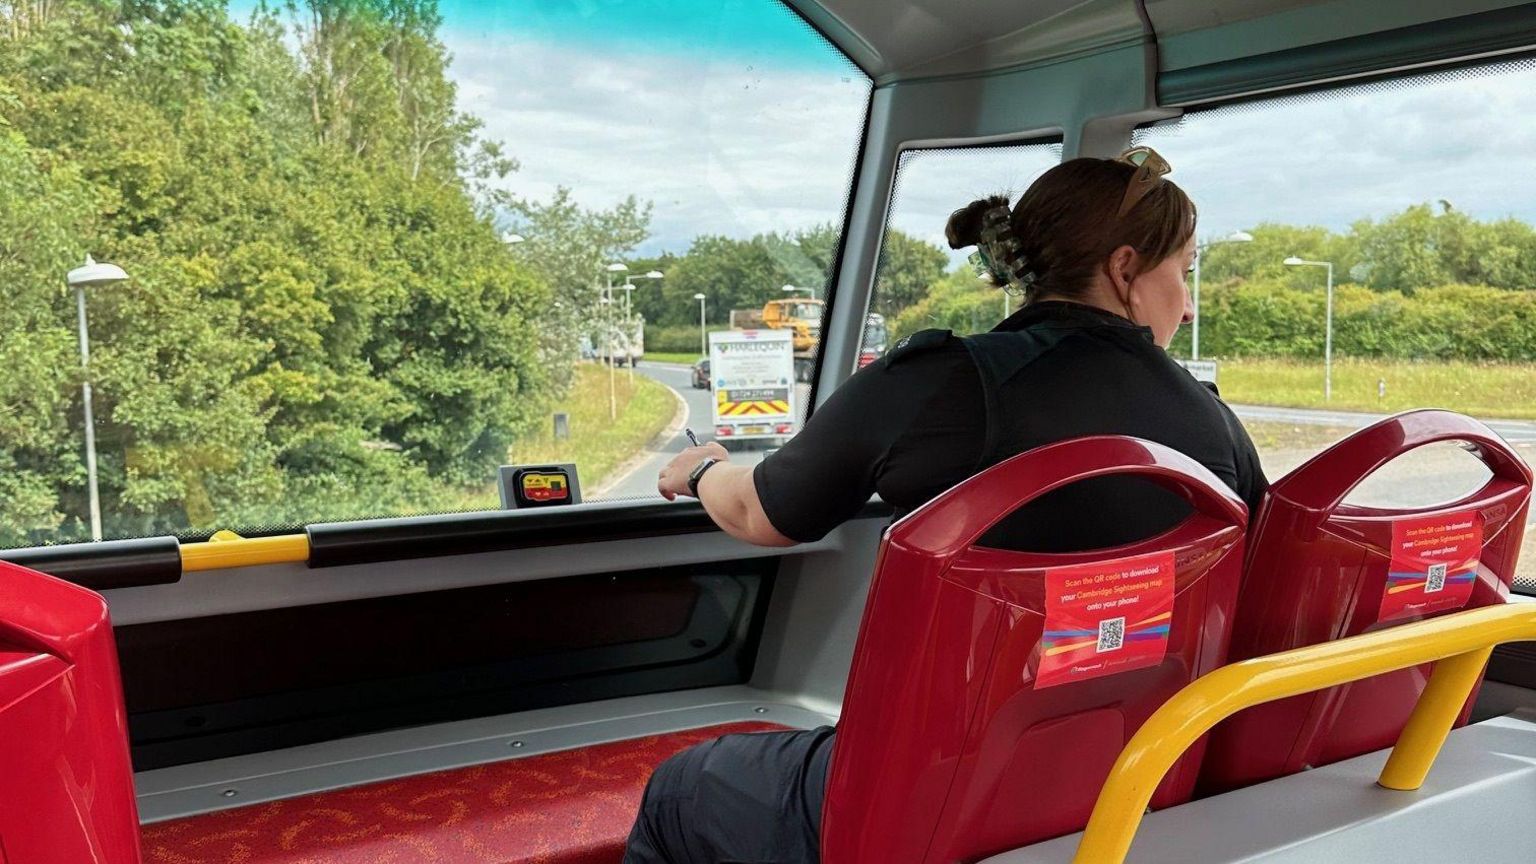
1200	49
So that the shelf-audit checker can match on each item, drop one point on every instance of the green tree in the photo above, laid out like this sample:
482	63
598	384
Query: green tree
731	273
45	209
321	322
569	246
959	301
907	269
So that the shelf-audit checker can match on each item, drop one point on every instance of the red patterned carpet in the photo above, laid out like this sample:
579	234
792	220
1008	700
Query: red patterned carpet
571	807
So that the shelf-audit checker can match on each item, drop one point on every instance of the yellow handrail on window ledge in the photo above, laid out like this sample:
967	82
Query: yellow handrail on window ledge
1460	644
227	549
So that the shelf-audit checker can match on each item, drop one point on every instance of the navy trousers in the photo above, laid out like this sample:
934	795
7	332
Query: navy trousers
751	798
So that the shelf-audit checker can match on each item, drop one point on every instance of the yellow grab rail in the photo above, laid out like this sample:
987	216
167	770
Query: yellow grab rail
1460	643
228	549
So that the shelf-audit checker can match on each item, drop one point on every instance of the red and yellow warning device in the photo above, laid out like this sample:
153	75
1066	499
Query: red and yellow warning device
543	487
538	486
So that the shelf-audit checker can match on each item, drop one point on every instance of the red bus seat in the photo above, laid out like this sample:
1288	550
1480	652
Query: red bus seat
1319	569
66	787
569	807
953	745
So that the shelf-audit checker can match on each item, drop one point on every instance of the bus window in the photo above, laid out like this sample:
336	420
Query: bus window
348	259
922	283
1366	250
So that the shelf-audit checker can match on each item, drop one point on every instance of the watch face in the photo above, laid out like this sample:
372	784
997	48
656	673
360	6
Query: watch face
696	473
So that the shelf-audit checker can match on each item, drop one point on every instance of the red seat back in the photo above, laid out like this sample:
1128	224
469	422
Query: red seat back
66	788
979	714
1319	569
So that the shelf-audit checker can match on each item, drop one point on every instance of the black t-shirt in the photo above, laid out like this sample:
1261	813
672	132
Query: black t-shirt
916	422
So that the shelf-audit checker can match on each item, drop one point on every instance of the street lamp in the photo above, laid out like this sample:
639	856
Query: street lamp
1293	261
612	269
1194	331
91	275
787	289
629	285
703	338
608	320
629	319
512	239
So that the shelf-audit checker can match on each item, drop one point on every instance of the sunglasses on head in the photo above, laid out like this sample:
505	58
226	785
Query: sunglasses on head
1150	170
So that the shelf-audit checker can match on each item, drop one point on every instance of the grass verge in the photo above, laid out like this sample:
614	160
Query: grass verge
686	358
599	444
1481	390
1271	436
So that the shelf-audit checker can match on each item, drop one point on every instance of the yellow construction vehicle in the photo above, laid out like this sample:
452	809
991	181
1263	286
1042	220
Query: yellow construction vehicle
799	316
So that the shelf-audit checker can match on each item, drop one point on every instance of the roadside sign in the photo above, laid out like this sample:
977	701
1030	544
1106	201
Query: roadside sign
1203	370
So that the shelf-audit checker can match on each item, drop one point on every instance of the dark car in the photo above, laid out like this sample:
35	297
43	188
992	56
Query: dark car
701	374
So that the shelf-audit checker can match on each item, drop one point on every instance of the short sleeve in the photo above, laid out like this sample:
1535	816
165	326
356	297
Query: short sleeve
828	471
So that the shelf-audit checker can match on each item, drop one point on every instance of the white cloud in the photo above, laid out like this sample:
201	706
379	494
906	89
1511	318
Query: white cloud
1328	159
932	184
1335	157
719	147
722	147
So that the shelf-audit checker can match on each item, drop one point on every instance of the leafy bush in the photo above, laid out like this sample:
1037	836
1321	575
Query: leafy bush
673	340
1264	318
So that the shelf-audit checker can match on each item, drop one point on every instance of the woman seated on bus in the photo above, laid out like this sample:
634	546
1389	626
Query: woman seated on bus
1099	249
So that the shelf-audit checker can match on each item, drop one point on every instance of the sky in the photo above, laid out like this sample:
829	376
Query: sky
731	117
1333	157
734	117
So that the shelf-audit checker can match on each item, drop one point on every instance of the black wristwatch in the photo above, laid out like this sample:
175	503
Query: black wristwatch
697	473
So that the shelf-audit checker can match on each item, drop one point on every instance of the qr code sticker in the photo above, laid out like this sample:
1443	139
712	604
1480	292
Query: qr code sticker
1111	635
1435	581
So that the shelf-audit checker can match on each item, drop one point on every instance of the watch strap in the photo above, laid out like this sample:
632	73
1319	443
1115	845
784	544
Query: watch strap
697	474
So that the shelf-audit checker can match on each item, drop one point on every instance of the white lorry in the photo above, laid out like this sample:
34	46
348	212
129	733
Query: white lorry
752	374
625	339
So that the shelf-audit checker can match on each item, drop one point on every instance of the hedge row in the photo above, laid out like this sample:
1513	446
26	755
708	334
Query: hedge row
1452	322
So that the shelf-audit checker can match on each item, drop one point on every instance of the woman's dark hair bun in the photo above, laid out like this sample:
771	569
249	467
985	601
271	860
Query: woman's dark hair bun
964	227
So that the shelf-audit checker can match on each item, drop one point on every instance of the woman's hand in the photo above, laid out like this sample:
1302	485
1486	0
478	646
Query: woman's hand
673	479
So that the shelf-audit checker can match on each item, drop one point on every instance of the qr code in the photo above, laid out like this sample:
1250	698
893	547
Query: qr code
1111	635
1435	581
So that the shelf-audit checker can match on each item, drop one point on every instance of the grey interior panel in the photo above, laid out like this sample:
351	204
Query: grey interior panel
1480	793
813	620
217	592
1199	33
185	790
914	39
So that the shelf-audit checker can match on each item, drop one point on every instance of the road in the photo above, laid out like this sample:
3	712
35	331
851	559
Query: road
1513	431
641	482
1435	474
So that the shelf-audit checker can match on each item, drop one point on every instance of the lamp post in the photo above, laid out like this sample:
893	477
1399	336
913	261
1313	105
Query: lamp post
606	310
610	270
1194	330
511	238
1293	261
628	315
629	318
608	324
703	337
790	289
91	275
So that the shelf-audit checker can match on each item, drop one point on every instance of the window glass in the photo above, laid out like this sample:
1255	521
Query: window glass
1413	203
350	258
922	283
